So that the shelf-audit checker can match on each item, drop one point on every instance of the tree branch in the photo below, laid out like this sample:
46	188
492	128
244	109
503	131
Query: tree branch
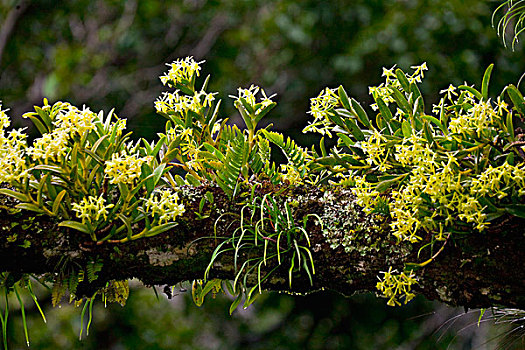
479	270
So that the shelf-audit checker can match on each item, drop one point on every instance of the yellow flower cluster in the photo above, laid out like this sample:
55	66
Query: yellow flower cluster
477	121
4	119
365	192
494	180
75	121
384	91
181	71
414	151
68	122
377	151
90	209
249	95
164	205
124	168
319	106
12	151
183	103
51	146
395	286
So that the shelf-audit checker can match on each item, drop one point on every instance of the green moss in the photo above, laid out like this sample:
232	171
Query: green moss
346	225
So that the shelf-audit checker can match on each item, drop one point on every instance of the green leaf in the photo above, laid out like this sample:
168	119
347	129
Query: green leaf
211	117
158	146
401	101
360	113
235	303
346	140
516	210
92	175
51	189
40	190
156	230
436	122
485	82
41	128
427	129
382	124
209	197
147	146
334	116
214	151
344	97
29	206
210	285
58	200
179	180
76	226
127	224
157	173
20	196
246	105
251	297
354	129
401	77
407	129
52	168
323	148
386	184
383	109
293	153
517	99
124	190
473	91
246	117
509	124
261	113
44	114
192	180
418	106
196	293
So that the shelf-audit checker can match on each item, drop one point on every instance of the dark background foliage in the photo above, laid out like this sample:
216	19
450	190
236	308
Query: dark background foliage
109	53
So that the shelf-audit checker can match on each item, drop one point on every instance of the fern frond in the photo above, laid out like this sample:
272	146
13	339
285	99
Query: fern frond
236	157
297	156
58	292
92	268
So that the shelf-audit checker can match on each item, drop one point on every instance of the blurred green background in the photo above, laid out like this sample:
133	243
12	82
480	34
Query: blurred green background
109	53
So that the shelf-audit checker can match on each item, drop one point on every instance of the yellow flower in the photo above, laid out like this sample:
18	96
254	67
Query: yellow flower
75	121
181	71
13	166
319	107
394	286
367	196
163	205
4	119
51	146
90	209
183	103
123	168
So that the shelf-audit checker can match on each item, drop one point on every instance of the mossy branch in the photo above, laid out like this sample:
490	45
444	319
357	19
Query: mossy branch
475	270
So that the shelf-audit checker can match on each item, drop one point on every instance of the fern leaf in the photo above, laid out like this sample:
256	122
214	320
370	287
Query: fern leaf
295	154
58	292
236	157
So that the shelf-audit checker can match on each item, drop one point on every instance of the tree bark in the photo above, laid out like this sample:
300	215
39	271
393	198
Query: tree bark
472	270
